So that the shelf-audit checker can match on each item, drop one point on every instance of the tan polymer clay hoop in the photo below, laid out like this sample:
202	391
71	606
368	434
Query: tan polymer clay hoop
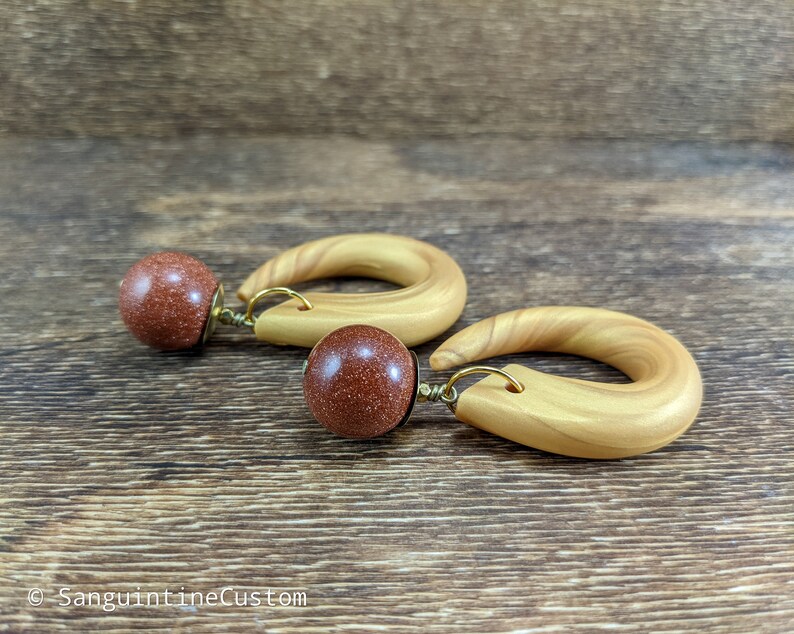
586	419
431	300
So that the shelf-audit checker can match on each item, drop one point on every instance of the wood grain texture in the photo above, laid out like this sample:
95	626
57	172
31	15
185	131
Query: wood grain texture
697	69
430	299
122	467
568	416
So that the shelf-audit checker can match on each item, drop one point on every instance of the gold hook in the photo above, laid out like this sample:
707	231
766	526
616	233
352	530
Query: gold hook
224	315
447	393
283	290
518	387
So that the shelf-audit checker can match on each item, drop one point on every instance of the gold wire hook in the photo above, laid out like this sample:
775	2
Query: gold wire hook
224	315
282	290
482	369
447	393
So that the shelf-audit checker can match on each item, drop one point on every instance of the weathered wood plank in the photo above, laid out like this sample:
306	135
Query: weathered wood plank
697	69
121	467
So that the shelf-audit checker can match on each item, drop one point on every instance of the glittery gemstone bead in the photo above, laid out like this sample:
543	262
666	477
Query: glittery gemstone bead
165	300
359	381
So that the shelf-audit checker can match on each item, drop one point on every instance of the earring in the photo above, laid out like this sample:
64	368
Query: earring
361	382
431	299
172	301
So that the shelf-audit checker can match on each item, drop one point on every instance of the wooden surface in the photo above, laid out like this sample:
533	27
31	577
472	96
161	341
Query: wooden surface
713	69
122	467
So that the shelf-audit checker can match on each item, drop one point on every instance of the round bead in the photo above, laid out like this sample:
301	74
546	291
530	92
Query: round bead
165	300
360	381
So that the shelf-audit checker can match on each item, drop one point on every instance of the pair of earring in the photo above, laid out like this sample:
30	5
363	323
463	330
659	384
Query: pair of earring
361	381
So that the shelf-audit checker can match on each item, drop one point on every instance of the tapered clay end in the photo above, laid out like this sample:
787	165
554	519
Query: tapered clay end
165	300
444	359
360	381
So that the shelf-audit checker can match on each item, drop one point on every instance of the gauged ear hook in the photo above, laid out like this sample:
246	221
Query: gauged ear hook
172	301
432	297
361	382
568	416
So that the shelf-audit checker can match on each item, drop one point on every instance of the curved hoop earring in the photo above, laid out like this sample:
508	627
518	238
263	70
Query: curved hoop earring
172	301
431	300
585	419
362	382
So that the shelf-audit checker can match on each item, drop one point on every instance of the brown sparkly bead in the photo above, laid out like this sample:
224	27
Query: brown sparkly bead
165	300
360	381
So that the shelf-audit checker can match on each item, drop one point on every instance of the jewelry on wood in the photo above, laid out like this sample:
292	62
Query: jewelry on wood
361	381
172	301
431	299
349	376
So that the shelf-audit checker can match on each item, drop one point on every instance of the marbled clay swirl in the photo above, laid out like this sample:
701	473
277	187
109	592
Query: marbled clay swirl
431	299
587	419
